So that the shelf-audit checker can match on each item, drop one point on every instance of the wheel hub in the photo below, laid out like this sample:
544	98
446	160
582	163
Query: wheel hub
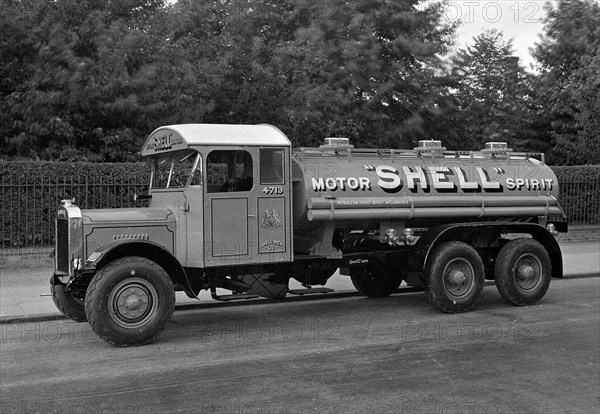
525	272
456	277
528	272
133	302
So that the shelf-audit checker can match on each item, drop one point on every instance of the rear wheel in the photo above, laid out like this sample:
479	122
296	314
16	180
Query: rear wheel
456	276
129	301
69	305
308	277
523	271
375	282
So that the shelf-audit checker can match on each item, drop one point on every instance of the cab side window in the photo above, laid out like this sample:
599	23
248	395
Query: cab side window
271	166
229	171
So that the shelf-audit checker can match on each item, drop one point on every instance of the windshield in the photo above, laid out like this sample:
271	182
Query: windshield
176	170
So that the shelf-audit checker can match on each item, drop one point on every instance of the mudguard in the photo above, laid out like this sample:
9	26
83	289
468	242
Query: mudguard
468	232
142	248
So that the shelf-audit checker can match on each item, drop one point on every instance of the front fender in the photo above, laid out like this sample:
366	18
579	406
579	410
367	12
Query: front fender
141	248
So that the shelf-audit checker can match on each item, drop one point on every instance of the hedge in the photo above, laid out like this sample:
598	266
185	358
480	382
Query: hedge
577	173
31	190
77	172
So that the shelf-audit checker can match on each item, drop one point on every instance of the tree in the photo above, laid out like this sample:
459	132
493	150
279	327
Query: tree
17	52
496	98
82	96
91	78
568	57
368	70
586	95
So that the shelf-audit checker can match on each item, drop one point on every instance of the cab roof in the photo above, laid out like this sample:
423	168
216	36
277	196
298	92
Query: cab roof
179	137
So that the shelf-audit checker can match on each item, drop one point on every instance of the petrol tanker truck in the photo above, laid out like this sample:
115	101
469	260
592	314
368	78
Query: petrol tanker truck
234	210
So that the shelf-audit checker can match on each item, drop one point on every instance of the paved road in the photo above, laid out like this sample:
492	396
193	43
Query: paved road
394	355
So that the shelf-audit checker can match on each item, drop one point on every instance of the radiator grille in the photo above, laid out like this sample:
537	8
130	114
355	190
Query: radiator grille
62	245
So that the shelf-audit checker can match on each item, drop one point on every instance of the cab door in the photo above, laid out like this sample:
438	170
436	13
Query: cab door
228	195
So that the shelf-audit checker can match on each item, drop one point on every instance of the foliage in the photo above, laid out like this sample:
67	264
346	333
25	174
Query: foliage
70	172
91	91
569	57
496	98
577	173
89	79
365	70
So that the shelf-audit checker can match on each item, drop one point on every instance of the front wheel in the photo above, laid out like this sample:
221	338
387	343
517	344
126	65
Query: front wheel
523	271
70	305
456	276
129	301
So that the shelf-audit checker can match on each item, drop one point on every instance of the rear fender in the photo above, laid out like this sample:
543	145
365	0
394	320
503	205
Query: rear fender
483	233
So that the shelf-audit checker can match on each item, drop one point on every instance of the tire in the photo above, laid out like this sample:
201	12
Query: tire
523	271
69	305
374	283
455	275
129	301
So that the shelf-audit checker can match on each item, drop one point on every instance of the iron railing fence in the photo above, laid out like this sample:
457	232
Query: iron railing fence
28	205
581	201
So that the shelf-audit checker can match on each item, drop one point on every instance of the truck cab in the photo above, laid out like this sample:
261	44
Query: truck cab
218	216
229	189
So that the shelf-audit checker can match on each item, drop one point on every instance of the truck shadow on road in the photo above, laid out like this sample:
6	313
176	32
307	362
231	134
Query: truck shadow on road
331	320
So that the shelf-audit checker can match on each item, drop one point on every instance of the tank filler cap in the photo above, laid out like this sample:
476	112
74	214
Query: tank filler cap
430	145
496	147
335	142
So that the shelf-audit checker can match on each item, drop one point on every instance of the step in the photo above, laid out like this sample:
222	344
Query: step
239	296
309	291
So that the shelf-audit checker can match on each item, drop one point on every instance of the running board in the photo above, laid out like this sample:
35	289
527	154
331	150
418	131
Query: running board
239	296
309	291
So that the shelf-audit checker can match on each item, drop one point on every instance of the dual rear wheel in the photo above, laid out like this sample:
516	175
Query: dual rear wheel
455	275
523	271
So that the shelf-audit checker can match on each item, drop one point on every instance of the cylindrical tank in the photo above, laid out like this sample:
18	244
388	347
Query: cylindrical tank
426	184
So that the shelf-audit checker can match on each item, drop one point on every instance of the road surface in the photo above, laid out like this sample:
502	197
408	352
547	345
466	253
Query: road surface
341	355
